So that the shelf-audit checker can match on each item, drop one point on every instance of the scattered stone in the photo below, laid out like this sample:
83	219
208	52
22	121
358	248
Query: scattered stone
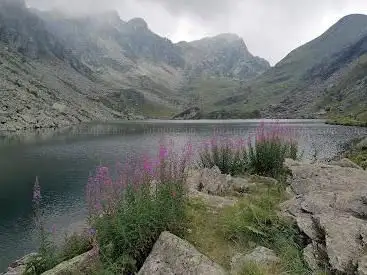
261	256
174	256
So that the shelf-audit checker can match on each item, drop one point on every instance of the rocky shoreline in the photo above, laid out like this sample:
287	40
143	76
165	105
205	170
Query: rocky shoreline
327	202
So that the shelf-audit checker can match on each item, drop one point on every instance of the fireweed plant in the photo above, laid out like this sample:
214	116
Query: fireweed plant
46	257
263	153
49	254
130	210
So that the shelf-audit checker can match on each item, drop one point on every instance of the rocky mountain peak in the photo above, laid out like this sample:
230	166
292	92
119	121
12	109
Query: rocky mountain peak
138	23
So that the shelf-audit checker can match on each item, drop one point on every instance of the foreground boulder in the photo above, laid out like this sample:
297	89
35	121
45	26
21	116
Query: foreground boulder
330	207
82	264
19	266
174	256
261	256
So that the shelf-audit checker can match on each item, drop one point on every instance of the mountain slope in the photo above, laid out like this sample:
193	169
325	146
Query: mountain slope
300	84
58	69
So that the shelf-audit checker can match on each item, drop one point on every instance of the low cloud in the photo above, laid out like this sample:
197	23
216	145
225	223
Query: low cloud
270	28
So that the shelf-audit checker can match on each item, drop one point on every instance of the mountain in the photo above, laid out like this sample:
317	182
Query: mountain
225	55
58	69
323	77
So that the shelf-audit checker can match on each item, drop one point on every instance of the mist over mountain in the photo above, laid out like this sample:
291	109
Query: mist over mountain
58	69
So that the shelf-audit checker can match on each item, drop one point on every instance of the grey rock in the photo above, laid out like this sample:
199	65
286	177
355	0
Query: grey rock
82	264
362	145
261	256
173	256
19	266
310	257
59	107
210	181
362	265
241	185
330	207
344	240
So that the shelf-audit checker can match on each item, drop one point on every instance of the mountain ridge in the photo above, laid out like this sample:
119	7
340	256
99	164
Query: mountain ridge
299	85
100	68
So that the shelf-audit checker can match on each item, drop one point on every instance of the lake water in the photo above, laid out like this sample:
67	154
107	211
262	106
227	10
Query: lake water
63	160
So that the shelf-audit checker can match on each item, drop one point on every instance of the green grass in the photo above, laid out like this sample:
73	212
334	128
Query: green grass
347	121
357	155
254	269
253	221
156	110
265	157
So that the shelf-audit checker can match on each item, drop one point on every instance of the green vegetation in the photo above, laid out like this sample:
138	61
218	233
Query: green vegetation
155	110
130	211
127	236
251	222
264	157
49	255
358	153
127	214
347	121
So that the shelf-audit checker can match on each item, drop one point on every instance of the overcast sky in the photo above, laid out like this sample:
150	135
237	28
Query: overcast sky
270	28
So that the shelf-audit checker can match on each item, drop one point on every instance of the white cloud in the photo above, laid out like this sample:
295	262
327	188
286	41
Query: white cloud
270	28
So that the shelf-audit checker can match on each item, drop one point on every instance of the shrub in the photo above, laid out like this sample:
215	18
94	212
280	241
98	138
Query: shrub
47	256
130	211
228	155
264	155
75	245
272	146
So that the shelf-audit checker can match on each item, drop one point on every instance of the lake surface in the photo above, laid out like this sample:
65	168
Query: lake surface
62	160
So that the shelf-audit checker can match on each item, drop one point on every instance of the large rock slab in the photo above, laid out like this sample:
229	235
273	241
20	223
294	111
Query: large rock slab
18	267
330	207
174	256
82	264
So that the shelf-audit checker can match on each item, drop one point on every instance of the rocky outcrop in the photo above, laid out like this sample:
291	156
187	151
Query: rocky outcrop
174	256
330	208
19	266
191	113
261	256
